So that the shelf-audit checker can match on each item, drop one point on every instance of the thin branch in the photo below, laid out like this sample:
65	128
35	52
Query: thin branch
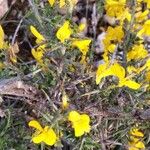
16	31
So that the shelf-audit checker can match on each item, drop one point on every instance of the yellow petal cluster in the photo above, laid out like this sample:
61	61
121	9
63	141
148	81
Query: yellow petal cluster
115	33
145	30
137	52
39	51
135	142
51	2
117	70
82	45
62	3
148	3
110	40
38	55
115	8
39	37
64	32
46	134
141	16
80	123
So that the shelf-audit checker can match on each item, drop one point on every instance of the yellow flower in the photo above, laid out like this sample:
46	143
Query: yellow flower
107	70
38	55
137	52
115	8
62	3
126	15
1	37
111	48
145	29
129	83
148	3
39	51
117	70
135	132
135	142
82	45
40	38
46	134
80	123
109	37
141	16
136	146
112	31
64	32
51	2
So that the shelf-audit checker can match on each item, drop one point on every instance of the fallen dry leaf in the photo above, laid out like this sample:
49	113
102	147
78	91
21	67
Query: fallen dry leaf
16	90
16	87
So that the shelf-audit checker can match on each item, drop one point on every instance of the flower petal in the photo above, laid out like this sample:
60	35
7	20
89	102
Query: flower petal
82	45
85	118
74	116
78	131
37	34
104	70
136	132
62	3
49	136
38	138
51	2
101	72
35	124
129	83
37	54
64	32
140	145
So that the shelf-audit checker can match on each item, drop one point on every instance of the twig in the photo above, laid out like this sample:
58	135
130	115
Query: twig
50	101
90	93
87	5
103	146
95	18
81	80
82	142
16	31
